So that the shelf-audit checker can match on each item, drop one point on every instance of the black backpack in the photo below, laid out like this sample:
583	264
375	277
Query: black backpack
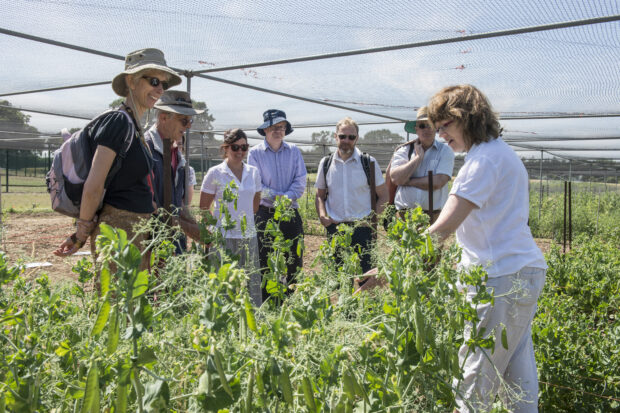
327	162
70	168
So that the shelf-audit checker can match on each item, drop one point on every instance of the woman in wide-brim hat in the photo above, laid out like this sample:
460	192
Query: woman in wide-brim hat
128	196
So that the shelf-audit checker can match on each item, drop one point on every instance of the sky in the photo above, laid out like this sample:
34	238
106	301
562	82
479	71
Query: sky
572	70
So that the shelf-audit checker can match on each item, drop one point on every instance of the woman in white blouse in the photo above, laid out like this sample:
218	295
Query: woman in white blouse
240	240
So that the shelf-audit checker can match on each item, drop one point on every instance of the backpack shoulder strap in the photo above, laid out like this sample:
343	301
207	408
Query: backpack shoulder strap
410	149
327	162
118	162
366	165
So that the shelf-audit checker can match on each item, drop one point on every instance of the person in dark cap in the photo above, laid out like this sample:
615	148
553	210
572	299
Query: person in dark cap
283	172
174	117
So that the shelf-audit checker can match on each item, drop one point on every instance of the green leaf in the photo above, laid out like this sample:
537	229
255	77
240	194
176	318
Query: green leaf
102	318
249	315
91	393
113	331
62	349
146	356
156	396
217	359
140	284
106	231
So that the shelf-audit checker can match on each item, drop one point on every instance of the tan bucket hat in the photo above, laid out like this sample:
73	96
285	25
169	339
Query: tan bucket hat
141	60
177	101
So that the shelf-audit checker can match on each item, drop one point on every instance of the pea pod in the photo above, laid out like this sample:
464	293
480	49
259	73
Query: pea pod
419	327
306	386
250	392
349	387
286	386
217	359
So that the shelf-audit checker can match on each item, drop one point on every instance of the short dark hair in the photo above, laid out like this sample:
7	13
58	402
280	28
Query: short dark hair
468	106
231	136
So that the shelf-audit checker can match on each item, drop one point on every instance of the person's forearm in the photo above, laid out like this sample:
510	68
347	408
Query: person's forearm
91	196
400	175
439	182
319	203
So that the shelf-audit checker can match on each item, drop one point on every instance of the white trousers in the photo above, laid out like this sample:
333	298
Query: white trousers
510	372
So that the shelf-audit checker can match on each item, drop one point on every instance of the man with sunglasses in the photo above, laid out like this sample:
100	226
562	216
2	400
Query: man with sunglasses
409	169
283	173
174	112
343	193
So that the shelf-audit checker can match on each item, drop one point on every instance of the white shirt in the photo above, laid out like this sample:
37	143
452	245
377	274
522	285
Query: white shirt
192	176
495	235
348	196
217	179
439	158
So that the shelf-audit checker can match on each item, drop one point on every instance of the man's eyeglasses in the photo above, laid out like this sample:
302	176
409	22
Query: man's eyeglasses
350	137
443	127
186	121
422	125
235	148
153	81
280	128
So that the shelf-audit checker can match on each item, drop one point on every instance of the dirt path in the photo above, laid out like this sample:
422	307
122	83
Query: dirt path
33	237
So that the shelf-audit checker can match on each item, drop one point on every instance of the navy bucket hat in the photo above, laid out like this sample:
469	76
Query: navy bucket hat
272	117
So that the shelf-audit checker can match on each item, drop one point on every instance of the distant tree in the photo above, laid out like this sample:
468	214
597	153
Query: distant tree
382	136
14	120
116	103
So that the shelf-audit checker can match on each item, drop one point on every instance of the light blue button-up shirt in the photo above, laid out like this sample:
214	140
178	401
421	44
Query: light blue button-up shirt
283	172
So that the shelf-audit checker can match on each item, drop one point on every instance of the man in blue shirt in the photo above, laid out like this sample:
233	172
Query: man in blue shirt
283	172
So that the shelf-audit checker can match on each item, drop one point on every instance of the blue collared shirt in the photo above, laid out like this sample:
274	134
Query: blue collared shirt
283	172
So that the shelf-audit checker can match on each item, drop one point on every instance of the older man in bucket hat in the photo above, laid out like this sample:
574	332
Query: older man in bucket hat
283	172
173	118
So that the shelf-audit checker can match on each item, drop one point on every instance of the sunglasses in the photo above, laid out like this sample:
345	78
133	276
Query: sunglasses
186	122
423	125
153	81
351	137
235	147
443	127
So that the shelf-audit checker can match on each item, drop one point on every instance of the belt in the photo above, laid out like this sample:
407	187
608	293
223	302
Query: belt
436	211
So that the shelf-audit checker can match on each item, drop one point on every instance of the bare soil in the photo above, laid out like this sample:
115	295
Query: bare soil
32	237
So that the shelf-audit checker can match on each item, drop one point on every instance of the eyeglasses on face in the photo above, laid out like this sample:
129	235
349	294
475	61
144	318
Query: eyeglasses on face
422	125
235	147
153	81
350	137
279	128
443	127
186	121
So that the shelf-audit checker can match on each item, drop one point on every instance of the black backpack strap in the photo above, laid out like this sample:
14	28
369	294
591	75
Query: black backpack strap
118	161
366	165
327	162
411	149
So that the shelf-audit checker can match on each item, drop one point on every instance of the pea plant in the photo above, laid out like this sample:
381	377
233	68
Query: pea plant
187	337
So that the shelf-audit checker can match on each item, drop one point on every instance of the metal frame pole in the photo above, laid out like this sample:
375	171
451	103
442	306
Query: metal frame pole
188	77
564	226
541	188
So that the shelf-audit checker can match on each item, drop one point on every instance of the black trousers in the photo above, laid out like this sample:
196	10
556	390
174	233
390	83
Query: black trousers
362	236
293	230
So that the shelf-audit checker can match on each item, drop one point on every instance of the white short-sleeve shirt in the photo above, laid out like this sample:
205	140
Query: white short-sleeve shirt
348	193
439	158
217	179
495	235
192	176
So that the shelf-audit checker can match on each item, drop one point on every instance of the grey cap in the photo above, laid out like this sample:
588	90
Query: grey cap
177	101
141	60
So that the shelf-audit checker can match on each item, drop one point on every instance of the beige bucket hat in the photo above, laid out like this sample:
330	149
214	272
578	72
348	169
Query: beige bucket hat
141	60
177	101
